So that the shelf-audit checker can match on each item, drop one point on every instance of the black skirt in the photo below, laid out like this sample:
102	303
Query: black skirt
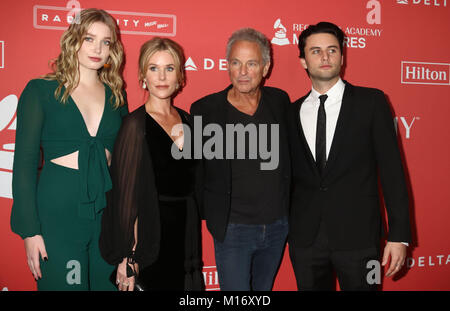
167	272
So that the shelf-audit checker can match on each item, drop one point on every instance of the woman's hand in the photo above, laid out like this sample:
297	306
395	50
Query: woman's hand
123	282
33	247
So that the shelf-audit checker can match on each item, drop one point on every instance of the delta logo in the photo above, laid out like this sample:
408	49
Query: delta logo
135	23
425	73
424	2
206	64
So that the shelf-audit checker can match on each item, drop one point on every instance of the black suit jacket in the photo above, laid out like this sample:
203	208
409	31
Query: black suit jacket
215	174
364	151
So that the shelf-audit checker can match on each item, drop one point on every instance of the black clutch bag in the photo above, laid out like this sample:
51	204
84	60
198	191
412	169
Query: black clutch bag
138	284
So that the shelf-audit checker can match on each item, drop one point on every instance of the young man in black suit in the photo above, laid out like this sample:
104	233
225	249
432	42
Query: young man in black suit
343	142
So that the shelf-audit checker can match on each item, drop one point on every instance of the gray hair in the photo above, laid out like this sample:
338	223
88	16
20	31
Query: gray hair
252	35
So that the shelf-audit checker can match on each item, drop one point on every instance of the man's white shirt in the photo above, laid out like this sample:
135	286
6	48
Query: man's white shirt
310	108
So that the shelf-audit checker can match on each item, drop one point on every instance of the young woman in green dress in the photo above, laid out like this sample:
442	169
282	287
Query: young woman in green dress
73	116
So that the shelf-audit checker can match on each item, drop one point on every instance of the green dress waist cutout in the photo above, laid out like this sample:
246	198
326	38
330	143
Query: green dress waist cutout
59	129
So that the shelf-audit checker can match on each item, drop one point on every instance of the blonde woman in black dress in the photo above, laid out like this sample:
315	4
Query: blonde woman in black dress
151	222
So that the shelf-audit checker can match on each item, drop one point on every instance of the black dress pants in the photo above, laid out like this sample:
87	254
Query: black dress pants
316	266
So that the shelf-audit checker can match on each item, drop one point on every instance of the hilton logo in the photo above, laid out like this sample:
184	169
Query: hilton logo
211	278
425	73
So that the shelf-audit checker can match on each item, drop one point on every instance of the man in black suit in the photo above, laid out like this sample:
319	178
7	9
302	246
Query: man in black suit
343	143
245	195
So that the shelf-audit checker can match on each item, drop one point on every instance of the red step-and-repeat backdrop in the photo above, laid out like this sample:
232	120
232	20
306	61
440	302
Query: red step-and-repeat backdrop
399	46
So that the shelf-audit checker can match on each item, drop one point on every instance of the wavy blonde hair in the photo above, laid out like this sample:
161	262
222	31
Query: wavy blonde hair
65	66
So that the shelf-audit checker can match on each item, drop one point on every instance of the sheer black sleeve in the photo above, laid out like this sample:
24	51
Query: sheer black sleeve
119	216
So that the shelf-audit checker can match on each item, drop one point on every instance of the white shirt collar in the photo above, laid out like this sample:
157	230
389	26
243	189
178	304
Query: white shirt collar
336	92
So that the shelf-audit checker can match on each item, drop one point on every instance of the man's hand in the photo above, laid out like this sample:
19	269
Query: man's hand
396	252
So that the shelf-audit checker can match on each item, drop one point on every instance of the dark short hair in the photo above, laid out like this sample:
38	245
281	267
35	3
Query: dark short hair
322	27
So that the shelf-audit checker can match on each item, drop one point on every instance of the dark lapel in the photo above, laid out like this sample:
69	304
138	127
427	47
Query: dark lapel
301	134
221	117
275	106
348	101
271	103
221	113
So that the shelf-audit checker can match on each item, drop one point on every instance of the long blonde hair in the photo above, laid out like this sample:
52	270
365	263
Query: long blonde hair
65	67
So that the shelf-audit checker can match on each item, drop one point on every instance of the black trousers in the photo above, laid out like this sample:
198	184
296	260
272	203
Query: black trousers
316	266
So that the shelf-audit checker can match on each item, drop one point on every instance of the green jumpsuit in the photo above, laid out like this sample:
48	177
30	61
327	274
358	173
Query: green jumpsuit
62	204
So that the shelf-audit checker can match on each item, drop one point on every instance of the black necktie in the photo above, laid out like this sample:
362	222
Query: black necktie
321	138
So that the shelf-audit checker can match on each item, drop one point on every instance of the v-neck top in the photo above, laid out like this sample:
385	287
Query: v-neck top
172	177
59	128
255	193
